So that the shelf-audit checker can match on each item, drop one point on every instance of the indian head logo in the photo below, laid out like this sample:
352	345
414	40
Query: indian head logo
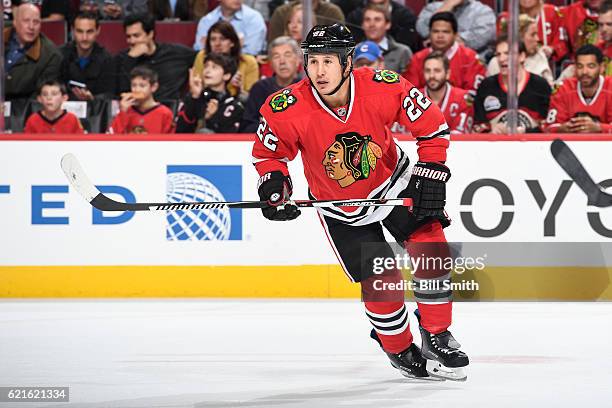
351	158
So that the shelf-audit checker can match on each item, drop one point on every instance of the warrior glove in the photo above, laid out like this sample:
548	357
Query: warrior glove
275	188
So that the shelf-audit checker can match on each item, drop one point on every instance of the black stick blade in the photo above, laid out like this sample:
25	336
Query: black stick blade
572	166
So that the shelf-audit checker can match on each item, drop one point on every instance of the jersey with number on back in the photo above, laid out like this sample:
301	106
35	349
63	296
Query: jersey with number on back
350	154
466	70
457	109
567	102
66	123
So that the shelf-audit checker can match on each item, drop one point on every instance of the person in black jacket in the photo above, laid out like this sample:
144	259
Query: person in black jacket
403	23
170	61
208	105
85	62
286	58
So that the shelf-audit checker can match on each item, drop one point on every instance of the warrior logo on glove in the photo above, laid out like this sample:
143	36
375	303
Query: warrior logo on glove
350	158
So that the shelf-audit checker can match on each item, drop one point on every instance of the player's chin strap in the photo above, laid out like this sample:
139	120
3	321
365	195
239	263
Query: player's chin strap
344	78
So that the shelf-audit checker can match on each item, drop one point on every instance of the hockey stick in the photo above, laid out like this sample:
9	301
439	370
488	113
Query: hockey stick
79	180
572	166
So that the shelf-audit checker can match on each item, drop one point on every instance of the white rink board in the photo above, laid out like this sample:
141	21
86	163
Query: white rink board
141	168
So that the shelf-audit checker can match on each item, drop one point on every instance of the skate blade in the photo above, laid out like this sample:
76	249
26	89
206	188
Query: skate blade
408	374
435	369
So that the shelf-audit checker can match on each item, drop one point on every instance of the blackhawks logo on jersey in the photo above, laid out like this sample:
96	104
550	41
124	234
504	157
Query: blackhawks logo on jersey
281	101
386	76
351	158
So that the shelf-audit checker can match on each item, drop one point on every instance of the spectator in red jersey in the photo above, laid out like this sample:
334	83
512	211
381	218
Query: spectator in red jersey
376	25
583	104
178	10
549	21
605	35
29	56
52	118
580	22
455	103
476	21
209	108
491	102
139	111
536	61
466	70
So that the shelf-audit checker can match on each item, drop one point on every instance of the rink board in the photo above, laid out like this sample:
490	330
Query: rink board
54	245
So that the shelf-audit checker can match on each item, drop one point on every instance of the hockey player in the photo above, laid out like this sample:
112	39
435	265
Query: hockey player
455	103
339	120
583	104
52	118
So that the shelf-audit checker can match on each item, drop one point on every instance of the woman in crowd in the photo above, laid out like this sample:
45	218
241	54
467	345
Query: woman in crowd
293	24
223	39
537	61
183	10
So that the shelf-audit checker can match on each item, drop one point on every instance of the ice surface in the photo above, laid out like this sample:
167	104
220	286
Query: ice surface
291	353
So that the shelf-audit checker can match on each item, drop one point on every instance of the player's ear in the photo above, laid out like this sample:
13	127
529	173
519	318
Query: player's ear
226	77
154	87
64	97
448	71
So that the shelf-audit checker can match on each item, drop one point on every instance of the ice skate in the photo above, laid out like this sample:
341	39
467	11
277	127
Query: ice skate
409	362
444	359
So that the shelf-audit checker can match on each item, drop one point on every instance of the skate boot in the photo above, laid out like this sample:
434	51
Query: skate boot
444	359
409	362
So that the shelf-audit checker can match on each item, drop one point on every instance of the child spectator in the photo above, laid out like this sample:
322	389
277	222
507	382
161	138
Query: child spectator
583	104
140	112
52	118
209	100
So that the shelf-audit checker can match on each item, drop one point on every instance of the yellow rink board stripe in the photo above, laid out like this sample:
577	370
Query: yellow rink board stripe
300	281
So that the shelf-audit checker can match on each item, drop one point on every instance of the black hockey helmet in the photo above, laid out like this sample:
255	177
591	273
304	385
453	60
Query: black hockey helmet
329	39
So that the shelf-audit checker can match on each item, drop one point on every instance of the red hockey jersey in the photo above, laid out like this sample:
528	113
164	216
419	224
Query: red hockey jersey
607	51
350	152
457	109
580	24
158	119
567	102
466	70
550	29
66	123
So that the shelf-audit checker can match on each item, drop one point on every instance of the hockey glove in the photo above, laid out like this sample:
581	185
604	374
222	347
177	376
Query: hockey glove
275	188
427	188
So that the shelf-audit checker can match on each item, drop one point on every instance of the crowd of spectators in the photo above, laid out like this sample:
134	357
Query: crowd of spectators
457	51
